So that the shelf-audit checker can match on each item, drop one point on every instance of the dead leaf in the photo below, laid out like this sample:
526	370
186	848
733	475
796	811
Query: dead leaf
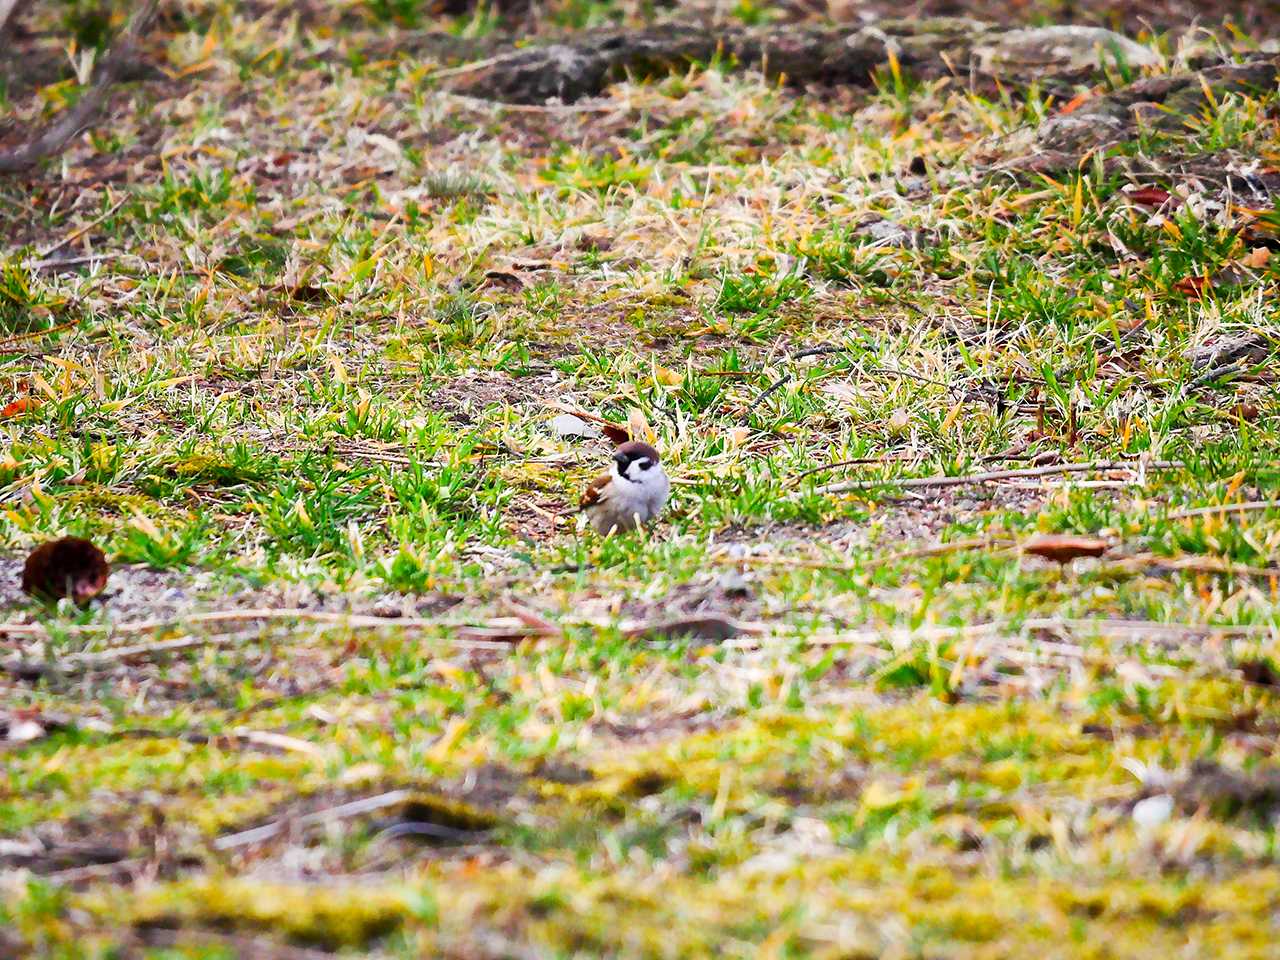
308	293
69	567
618	434
1065	547
1152	197
503	280
1257	259
18	407
638	426
1261	672
1193	287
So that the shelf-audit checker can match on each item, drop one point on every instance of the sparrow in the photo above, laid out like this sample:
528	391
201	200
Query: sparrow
632	493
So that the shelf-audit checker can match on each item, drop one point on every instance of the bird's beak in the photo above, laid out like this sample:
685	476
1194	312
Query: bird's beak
621	460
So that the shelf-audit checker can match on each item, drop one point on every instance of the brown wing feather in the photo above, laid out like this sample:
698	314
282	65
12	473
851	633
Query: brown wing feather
594	492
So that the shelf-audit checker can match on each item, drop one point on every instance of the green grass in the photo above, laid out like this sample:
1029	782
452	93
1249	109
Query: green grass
318	373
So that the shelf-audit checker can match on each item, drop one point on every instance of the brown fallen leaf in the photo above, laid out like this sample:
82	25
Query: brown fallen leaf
616	433
1261	672
69	567
1193	288
18	407
307	293
502	280
1065	547
1257	259
1151	197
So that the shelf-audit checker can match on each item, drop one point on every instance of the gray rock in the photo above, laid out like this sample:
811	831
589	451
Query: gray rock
568	427
1246	348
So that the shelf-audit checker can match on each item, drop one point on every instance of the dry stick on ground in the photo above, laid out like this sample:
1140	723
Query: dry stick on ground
54	138
1248	507
468	637
15	339
1214	565
353	808
240	735
76	233
250	613
1102	628
857	462
932	550
241	946
583	65
917	483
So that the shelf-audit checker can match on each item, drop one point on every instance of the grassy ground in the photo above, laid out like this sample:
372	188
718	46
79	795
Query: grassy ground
299	357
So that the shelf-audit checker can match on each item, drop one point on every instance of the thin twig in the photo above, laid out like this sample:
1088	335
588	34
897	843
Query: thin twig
931	550
58	134
342	811
899	637
77	233
869	371
857	462
1225	508
1215	565
14	339
465	68
916	483
240	735
891	372
69	261
234	616
498	106
819	351
496	635
769	391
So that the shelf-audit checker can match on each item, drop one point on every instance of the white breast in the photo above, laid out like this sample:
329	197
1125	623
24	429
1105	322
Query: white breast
629	502
645	497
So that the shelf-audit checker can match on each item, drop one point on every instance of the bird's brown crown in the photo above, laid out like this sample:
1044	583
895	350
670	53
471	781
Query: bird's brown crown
636	450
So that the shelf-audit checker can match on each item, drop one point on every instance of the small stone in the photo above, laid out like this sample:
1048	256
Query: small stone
1153	811
568	427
